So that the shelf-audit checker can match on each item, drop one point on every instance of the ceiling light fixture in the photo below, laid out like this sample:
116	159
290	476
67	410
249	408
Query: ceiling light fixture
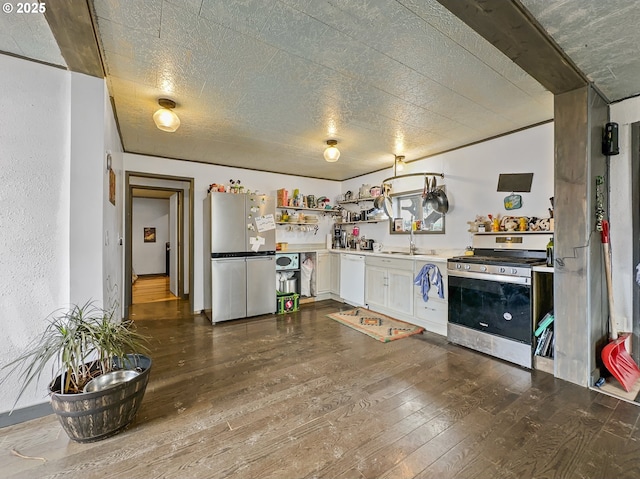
331	154
399	164
165	119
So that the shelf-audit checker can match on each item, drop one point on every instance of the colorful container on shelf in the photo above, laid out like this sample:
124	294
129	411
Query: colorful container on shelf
283	197
288	303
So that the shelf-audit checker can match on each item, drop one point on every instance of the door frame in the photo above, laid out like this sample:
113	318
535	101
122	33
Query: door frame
128	233
635	232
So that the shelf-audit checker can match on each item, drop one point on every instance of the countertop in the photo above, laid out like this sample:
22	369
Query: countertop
432	255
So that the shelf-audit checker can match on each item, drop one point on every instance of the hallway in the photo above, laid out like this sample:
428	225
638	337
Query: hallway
151	289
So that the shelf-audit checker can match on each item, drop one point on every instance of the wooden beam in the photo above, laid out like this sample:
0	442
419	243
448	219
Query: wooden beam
71	24
509	27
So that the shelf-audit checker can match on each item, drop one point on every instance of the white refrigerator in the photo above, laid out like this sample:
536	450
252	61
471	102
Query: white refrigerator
242	243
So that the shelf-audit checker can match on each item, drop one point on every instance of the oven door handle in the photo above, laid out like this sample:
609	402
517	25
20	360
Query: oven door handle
490	277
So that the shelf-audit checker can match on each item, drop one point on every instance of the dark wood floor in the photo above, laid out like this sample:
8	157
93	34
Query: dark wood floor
302	396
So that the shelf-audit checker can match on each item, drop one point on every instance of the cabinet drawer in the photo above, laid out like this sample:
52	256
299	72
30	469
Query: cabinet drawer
381	262
432	310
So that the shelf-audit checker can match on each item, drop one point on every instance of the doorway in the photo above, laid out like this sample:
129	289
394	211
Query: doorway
159	229
157	244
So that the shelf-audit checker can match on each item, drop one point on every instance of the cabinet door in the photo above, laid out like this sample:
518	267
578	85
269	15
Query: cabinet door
323	273
433	290
375	286
400	290
335	273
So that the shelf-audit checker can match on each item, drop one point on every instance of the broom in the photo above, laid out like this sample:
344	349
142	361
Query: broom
615	356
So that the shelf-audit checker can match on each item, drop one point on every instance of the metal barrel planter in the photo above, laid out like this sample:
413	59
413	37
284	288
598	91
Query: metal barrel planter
92	416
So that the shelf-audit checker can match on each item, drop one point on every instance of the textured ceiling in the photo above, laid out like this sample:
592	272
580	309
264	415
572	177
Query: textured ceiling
263	84
600	37
28	35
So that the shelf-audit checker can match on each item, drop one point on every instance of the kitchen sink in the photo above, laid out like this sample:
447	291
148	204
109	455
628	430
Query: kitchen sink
404	253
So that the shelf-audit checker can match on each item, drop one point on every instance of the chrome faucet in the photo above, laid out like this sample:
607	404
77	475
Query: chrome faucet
412	243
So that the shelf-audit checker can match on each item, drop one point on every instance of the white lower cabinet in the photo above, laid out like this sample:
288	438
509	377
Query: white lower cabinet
432	314
335	274
323	273
389	285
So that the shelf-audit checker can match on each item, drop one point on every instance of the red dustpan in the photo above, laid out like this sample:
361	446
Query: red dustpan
615	356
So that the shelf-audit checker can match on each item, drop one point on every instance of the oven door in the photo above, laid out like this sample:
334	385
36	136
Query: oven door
495	304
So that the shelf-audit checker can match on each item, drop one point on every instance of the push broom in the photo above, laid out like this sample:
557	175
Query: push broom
615	356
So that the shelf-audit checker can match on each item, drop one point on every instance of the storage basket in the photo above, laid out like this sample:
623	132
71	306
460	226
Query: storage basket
288	303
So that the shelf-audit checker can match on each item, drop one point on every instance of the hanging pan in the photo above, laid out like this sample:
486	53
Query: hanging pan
387	206
430	199
442	202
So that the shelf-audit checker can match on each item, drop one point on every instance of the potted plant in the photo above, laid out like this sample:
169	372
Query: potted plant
82	343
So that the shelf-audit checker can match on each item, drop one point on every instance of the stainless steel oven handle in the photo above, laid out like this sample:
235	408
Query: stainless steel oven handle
490	277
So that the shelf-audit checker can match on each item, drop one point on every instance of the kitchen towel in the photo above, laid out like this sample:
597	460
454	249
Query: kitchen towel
429	275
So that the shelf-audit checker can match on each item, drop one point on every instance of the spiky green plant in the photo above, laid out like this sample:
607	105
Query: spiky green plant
81	343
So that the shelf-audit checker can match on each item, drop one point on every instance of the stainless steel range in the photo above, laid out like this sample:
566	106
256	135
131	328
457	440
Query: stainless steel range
494	295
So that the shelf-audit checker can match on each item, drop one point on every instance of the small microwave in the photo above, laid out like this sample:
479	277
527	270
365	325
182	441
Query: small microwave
287	261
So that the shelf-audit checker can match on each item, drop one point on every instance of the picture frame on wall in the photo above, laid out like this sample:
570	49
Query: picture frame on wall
149	234
397	224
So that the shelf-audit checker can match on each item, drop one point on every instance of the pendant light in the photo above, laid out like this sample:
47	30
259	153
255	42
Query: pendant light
399	164
331	154
165	119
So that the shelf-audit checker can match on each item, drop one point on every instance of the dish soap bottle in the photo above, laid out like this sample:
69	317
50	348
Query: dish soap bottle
550	252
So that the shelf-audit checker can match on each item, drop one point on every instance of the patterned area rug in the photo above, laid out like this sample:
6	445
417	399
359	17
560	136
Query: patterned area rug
378	326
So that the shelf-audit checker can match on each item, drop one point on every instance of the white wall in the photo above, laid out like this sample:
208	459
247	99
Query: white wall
471	180
204	175
87	193
620	213
149	258
35	198
113	225
53	134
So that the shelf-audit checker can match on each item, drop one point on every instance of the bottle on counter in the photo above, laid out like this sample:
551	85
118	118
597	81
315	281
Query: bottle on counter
550	252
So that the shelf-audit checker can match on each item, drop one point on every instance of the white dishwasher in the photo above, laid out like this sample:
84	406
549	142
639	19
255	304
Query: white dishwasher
352	279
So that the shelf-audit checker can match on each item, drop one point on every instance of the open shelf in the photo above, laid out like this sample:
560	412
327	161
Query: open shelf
361	221
301	208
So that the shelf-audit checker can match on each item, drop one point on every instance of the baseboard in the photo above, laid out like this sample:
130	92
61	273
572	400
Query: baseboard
25	414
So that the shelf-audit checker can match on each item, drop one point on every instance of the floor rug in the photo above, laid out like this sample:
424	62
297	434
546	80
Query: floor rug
378	326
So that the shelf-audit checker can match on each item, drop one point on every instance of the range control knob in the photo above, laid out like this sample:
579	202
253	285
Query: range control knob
483	268
467	266
503	270
514	271
458	266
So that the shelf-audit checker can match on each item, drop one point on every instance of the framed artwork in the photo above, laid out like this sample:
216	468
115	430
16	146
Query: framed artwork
149	234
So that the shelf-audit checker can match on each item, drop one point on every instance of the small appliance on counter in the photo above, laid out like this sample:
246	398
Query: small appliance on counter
366	244
339	238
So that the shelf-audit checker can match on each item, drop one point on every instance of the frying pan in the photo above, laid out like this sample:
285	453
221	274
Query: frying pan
442	201
430	199
386	201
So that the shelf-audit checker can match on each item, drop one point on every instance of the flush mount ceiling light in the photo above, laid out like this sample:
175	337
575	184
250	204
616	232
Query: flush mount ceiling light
165	119
331	154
